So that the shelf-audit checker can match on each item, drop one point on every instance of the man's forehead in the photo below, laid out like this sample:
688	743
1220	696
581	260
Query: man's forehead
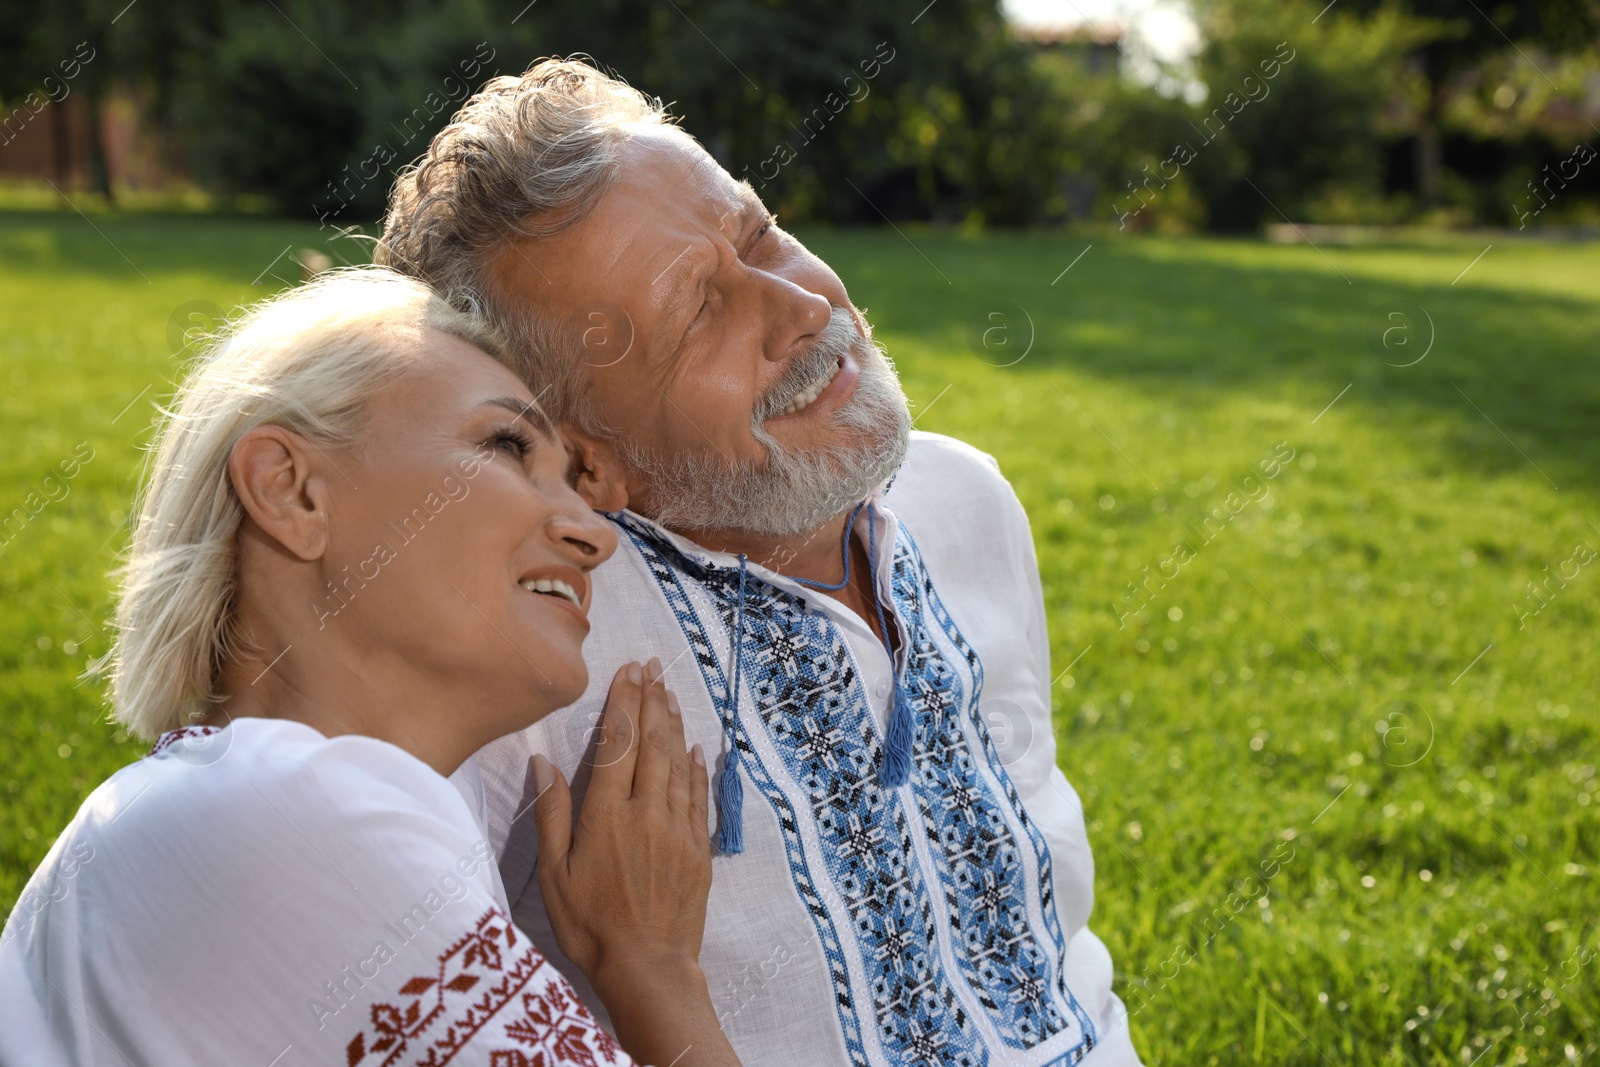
680	196
669	195
666	162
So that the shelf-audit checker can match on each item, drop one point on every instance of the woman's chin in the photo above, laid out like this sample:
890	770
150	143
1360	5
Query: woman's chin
561	688
536	699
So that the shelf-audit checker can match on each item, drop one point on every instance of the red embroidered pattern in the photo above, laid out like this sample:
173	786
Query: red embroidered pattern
493	995
182	733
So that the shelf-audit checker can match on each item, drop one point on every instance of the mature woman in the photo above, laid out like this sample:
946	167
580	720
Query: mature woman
358	560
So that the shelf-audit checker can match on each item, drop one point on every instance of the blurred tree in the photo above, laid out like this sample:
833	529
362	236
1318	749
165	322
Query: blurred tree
1117	133
273	104
35	39
317	103
839	110
1460	39
1291	118
926	115
834	109
136	46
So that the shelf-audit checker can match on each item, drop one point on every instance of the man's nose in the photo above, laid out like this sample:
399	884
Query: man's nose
798	316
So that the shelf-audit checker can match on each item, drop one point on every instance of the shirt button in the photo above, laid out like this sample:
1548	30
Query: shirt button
883	687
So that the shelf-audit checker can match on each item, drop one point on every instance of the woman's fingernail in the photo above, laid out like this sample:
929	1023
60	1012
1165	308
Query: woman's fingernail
653	669
635	674
544	775
672	704
698	754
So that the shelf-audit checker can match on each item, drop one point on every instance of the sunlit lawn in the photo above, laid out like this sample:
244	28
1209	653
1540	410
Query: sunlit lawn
1339	761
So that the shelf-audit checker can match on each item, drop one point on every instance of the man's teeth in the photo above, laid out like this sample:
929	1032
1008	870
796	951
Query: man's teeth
804	399
552	585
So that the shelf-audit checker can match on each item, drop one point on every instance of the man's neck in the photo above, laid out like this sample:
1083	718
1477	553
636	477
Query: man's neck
816	557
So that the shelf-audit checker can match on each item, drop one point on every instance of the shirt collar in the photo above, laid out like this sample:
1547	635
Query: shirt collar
877	512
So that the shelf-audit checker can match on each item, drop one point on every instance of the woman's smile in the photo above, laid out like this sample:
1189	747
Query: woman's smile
563	588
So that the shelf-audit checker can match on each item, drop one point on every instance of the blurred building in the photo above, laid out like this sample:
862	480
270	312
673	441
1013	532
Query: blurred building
1095	47
54	144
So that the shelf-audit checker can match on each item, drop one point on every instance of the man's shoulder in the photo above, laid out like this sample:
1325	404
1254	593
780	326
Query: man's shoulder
951	453
949	478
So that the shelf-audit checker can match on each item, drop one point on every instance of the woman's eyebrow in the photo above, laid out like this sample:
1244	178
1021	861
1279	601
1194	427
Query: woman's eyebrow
528	412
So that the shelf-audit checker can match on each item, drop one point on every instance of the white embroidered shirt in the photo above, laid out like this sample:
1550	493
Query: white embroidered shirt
262	894
939	921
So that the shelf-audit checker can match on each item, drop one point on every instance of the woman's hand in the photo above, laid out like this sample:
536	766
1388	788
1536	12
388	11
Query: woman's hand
626	888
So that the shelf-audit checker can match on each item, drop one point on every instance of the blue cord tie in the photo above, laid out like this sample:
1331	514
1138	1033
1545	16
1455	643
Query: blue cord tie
899	738
730	791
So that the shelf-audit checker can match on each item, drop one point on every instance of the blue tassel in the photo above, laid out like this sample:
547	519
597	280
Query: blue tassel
897	742
730	791
730	807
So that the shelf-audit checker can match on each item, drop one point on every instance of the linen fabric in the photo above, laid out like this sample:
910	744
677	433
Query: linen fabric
942	921
262	894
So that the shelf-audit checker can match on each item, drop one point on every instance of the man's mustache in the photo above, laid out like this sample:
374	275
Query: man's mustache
840	336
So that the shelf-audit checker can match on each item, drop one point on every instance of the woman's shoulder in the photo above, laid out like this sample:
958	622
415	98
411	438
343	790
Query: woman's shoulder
221	806
270	885
250	765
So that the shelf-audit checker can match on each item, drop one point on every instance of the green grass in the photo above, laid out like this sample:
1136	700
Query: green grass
1433	883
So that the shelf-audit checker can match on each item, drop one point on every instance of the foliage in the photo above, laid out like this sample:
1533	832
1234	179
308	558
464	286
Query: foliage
1117	133
1349	670
1315	129
932	115
1455	41
845	111
318	105
1318	140
928	116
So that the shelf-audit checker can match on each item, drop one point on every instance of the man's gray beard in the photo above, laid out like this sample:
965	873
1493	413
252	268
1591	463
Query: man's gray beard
792	492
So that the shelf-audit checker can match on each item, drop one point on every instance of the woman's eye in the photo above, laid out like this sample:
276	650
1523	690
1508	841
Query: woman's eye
514	445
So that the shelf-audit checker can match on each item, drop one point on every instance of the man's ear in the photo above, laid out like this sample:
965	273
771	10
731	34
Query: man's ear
281	489
597	471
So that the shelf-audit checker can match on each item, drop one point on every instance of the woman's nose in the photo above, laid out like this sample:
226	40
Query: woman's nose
586	535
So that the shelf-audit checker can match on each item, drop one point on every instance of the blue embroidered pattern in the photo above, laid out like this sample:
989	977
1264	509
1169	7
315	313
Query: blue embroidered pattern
961	817
809	698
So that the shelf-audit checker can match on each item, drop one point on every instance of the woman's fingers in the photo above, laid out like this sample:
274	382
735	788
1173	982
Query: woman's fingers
552	812
653	771
678	781
699	796
618	748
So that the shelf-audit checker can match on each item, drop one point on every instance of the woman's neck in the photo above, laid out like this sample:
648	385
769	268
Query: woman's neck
333	695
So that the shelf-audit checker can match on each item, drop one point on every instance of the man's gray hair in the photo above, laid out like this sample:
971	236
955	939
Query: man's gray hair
524	156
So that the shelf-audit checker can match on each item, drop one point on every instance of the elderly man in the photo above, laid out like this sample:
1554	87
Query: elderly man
849	612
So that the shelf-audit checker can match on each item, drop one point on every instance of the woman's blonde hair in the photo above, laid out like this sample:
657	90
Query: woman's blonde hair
309	360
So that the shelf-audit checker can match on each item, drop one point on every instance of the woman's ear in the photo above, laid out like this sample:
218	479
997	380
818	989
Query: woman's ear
281	489
597	474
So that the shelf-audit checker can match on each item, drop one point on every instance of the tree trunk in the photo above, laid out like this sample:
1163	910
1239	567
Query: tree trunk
61	143
1429	154
99	173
